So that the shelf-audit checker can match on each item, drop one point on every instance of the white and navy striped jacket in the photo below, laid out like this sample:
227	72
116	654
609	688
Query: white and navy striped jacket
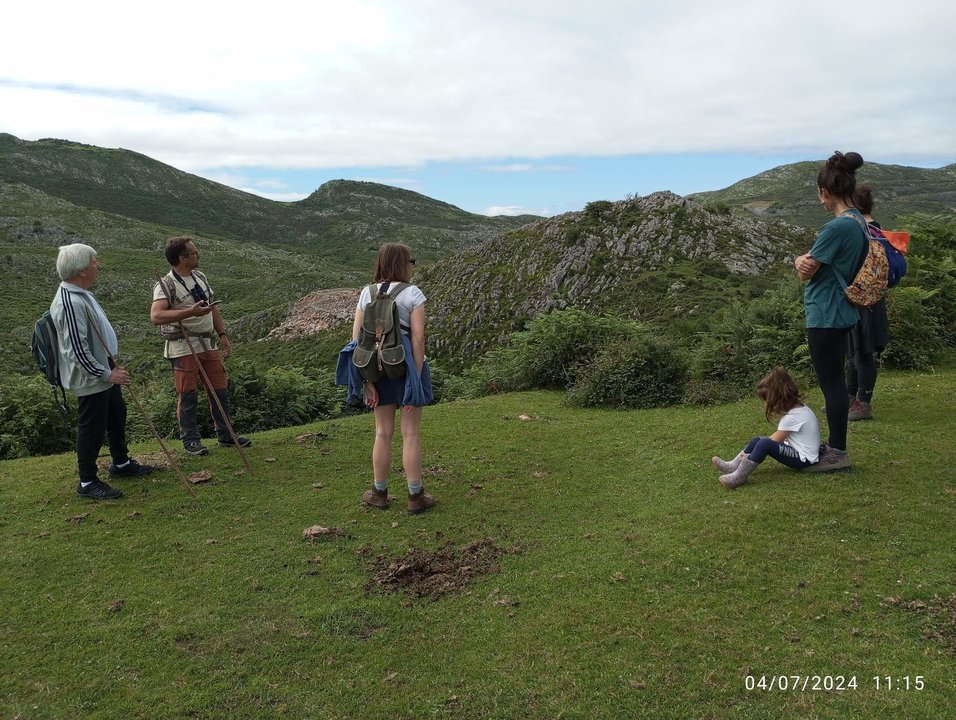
84	362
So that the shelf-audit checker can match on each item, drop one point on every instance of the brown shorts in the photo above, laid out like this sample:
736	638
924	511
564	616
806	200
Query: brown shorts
186	373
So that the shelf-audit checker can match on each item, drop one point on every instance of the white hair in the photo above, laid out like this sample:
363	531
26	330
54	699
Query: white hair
72	259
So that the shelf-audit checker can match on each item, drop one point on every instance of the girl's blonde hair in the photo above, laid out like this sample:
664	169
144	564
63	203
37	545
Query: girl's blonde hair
779	393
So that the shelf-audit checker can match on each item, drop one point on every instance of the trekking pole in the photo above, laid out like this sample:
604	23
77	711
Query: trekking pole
208	384
142	411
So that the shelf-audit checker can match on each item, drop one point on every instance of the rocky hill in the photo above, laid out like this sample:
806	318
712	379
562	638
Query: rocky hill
789	193
658	259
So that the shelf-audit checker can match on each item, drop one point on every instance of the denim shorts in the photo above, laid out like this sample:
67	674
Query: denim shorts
390	392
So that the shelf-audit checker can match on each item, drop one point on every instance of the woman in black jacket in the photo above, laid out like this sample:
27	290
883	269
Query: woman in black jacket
868	337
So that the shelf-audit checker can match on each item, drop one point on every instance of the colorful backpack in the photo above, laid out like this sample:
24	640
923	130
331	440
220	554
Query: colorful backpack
897	263
883	266
379	352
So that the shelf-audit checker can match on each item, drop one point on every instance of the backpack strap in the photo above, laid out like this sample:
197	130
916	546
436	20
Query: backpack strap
169	289
861	221
397	288
204	282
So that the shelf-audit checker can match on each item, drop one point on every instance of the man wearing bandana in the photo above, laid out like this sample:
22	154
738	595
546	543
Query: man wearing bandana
184	297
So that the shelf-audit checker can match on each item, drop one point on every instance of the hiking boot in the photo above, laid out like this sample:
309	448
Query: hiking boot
739	476
860	411
98	490
376	498
244	442
728	466
130	469
830	461
420	502
195	447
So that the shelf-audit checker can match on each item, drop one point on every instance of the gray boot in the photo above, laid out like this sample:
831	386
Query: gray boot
739	476
728	466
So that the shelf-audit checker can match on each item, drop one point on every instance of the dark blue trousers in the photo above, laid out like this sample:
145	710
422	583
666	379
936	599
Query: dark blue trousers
760	447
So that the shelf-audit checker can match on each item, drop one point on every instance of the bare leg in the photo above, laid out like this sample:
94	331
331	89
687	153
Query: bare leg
382	449
411	444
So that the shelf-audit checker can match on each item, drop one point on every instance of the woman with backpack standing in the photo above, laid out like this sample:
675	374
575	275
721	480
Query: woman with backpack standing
868	337
837	252
393	270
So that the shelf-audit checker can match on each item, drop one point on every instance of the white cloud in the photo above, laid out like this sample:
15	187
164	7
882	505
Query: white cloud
380	83
512	210
525	168
281	197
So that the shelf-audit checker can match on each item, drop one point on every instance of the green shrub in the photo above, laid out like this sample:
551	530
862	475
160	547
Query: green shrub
280	397
641	371
937	274
31	421
597	208
914	330
749	340
548	353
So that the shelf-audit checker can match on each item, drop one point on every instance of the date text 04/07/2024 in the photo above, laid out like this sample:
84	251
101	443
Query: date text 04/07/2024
830	683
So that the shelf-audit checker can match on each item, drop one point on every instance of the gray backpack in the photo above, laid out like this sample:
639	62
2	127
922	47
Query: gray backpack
379	353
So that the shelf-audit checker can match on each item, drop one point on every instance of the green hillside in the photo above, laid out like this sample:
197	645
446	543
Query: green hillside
262	255
256	282
789	193
343	220
579	564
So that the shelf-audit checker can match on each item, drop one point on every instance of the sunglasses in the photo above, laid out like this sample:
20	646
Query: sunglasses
411	260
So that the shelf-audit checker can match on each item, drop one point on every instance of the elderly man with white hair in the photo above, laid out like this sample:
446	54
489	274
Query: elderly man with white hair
86	370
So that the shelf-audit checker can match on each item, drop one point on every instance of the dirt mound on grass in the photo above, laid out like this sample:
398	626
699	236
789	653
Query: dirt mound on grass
432	574
940	614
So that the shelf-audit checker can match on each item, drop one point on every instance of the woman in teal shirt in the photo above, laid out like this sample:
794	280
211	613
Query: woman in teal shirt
839	248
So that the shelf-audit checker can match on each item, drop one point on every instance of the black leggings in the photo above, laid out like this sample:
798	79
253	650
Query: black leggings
828	355
861	376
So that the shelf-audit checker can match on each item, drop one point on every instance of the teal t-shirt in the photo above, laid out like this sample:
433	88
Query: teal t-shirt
839	246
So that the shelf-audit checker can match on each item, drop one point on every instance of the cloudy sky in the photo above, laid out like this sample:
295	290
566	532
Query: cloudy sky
498	107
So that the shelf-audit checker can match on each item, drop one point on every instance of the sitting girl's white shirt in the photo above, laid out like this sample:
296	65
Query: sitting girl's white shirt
804	429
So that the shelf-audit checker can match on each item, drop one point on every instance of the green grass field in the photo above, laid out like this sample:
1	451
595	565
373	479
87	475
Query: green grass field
628	584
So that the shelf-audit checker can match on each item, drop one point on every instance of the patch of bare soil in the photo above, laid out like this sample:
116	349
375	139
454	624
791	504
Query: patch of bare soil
319	531
432	574
199	477
318	311
940	617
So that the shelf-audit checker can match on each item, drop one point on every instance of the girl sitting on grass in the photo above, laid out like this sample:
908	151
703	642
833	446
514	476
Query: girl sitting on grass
796	443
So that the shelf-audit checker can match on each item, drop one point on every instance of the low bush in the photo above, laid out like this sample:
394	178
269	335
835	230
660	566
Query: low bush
642	371
31	420
915	340
280	397
747	341
549	352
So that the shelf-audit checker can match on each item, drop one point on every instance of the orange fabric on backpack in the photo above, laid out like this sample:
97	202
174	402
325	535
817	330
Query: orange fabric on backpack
899	239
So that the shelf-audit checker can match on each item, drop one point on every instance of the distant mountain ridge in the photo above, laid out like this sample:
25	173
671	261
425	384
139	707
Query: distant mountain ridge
789	193
345	220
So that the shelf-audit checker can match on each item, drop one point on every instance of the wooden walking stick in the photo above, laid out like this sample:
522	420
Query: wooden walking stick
129	388
210	390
